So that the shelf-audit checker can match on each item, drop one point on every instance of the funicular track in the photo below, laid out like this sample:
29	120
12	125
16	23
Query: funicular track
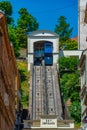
45	92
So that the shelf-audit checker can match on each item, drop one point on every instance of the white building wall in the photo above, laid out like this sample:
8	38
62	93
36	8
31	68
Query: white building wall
67	53
82	25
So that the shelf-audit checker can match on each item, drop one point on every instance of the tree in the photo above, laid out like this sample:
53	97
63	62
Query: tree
25	24
68	64
63	29
21	37
24	76
7	8
69	45
75	111
69	84
14	39
27	21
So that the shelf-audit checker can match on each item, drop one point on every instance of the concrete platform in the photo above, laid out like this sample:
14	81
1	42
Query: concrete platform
49	122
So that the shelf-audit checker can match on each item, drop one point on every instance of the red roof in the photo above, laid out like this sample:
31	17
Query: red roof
75	38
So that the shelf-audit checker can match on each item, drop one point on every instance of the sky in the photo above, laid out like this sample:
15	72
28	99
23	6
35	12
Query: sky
47	12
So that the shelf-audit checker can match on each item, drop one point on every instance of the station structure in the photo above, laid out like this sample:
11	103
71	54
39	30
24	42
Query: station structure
36	41
45	103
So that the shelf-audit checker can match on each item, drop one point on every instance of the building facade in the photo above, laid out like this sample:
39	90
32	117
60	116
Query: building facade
9	79
83	94
82	41
82	24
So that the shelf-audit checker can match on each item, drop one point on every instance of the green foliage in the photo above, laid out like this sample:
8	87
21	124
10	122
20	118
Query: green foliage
75	96
13	39
75	111
7	8
24	74
27	21
25	24
69	84
21	37
68	64
63	29
70	45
